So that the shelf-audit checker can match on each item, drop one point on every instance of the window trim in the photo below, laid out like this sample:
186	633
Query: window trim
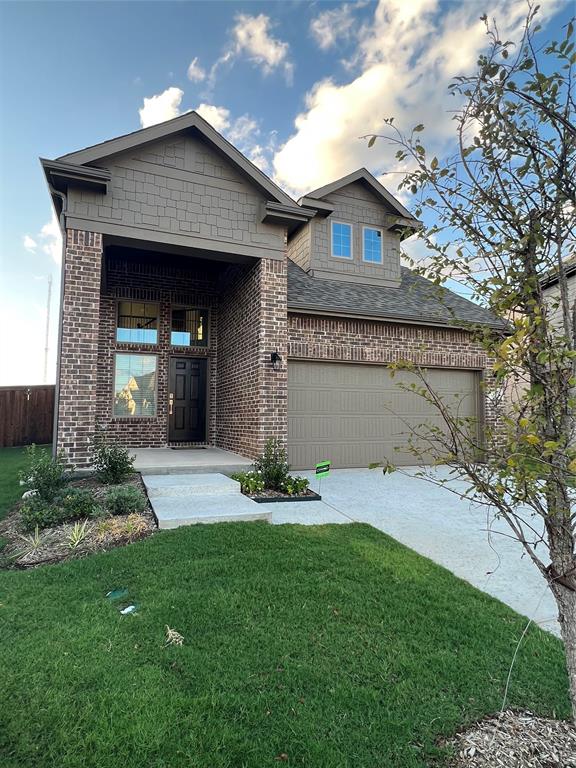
347	224
195	345
374	229
134	344
116	417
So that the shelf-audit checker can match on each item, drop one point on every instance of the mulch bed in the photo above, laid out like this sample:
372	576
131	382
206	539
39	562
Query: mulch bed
516	740
104	532
269	496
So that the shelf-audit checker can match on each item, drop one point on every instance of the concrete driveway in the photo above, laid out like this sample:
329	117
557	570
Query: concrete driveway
436	523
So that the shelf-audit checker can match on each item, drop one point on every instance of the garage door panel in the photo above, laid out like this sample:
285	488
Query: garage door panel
356	414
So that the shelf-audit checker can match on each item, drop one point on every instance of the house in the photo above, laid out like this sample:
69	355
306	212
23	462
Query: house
551	290
201	304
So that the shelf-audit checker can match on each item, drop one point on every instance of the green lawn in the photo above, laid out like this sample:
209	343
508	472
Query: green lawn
12	460
333	645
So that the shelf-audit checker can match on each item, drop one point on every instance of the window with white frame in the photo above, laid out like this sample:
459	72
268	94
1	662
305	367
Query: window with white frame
341	240
372	245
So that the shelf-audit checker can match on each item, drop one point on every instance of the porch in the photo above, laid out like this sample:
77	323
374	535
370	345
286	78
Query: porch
169	461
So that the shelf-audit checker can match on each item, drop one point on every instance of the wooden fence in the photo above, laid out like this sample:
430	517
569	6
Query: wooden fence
26	415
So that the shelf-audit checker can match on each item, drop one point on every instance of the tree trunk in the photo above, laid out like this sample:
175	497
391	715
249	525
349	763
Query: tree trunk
566	599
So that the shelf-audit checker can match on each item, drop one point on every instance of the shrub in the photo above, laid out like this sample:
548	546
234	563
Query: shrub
273	465
78	534
112	462
35	512
250	482
294	486
125	500
130	528
77	503
44	473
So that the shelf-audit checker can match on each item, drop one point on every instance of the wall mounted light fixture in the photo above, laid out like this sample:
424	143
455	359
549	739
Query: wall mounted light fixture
275	359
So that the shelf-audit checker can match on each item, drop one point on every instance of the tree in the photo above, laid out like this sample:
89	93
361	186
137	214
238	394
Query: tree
504	210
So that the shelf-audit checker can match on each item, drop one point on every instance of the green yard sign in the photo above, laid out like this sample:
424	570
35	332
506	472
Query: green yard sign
323	469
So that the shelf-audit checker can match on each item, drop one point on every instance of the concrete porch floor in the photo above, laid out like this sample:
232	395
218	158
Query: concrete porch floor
167	461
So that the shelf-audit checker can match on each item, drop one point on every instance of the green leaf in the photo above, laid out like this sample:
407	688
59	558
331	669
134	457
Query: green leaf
418	128
434	163
371	141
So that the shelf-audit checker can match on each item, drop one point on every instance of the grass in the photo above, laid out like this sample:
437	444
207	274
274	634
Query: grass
12	461
327	647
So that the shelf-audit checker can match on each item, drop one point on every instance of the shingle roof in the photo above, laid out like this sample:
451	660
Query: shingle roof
415	299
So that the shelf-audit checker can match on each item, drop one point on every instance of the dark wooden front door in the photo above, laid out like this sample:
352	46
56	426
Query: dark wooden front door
187	399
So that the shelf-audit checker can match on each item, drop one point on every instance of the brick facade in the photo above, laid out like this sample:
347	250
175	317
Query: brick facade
252	395
315	337
166	282
248	320
78	355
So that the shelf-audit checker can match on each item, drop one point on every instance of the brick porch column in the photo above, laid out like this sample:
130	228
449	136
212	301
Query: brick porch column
252	397
273	391
78	353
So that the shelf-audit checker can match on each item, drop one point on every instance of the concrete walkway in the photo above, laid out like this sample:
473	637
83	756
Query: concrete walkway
436	523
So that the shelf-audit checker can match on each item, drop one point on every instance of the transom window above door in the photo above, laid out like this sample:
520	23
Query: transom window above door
137	322
189	327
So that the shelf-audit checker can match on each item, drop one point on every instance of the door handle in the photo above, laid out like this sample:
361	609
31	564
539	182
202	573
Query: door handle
171	403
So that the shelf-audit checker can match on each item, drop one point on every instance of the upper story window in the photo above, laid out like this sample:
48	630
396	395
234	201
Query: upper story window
341	240
189	327
372	245
137	322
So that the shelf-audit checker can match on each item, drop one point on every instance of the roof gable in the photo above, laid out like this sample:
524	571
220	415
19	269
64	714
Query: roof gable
363	176
191	121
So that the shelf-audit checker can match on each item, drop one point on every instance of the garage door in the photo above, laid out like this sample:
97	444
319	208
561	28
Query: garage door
357	414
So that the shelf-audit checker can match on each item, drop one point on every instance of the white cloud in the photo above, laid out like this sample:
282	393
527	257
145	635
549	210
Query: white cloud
195	72
245	128
405	57
163	106
251	37
218	117
244	132
29	243
51	238
337	24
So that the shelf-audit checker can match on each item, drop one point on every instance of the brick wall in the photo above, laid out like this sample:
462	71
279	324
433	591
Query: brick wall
251	395
77	399
369	341
166	282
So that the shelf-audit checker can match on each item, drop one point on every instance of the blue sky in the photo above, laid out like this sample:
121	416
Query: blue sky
292	84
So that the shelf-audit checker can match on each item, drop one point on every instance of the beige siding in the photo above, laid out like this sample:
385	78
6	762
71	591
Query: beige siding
354	414
355	205
181	190
552	295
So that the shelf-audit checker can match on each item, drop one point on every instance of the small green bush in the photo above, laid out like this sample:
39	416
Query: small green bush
78	503
36	512
44	473
294	486
125	500
273	465
250	482
112	462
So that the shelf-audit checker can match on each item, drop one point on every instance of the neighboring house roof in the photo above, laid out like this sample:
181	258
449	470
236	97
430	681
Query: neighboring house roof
415	300
365	177
553	277
190	121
